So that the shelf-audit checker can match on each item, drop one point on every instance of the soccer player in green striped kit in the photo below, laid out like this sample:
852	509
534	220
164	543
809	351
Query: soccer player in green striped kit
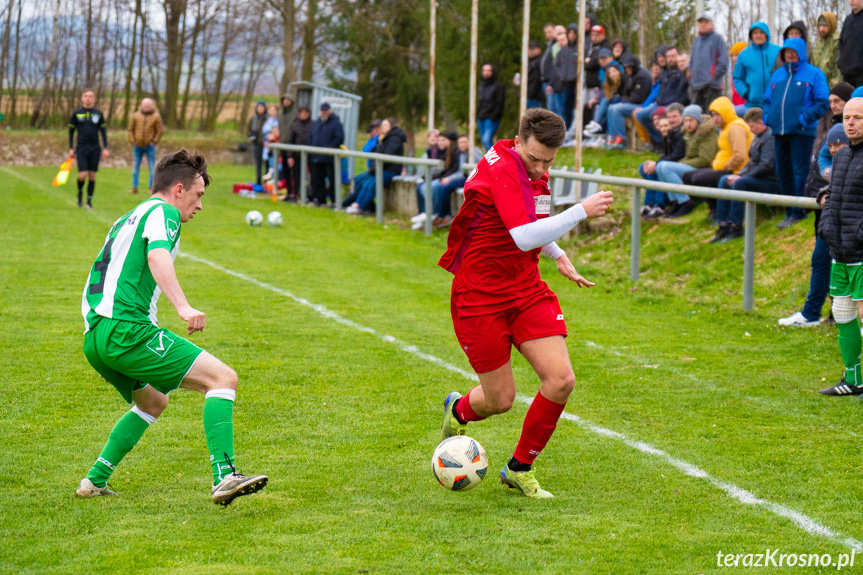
124	343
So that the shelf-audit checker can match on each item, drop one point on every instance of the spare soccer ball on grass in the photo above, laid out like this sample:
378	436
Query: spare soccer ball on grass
254	218
459	463
274	219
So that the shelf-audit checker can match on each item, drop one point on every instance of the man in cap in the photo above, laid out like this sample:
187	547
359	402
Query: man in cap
327	132
709	63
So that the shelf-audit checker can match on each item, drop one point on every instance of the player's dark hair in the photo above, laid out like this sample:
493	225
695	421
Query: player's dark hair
544	126
180	167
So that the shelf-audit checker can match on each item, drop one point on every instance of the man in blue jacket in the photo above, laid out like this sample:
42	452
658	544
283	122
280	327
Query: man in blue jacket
794	102
755	66
327	132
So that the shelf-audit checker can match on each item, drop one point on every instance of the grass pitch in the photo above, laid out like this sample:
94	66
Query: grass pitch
344	422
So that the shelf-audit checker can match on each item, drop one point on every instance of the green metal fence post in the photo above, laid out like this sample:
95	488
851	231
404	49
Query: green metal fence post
635	249
337	184
428	200
379	191
749	256
304	196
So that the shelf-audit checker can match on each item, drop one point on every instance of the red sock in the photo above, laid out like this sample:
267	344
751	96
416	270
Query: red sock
465	410
539	424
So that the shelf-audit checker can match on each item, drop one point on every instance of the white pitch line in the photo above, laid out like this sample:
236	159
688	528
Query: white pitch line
804	522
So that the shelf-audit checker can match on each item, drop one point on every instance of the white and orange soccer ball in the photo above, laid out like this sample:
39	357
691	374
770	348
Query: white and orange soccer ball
459	463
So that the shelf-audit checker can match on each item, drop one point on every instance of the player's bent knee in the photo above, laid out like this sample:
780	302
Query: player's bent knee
230	378
503	403
559	388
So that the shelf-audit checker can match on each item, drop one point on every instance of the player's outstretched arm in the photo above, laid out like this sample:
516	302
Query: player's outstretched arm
162	268
541	232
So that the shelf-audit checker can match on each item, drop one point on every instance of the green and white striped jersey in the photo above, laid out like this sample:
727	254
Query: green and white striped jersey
120	285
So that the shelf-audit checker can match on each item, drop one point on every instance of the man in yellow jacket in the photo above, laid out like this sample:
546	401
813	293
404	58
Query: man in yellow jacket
145	131
732	154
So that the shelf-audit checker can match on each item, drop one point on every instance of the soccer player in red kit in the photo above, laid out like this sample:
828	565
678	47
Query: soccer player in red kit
498	297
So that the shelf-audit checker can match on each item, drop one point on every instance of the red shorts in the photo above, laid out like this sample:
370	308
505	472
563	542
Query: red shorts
488	332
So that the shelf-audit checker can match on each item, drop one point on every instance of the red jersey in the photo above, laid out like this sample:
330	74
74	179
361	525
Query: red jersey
498	196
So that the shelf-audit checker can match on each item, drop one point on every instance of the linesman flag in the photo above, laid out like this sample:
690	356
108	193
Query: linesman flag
63	175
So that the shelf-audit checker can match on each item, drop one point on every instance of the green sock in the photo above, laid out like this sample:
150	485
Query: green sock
126	433
219	428
850	342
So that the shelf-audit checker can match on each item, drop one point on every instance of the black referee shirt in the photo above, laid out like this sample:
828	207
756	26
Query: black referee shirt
88	122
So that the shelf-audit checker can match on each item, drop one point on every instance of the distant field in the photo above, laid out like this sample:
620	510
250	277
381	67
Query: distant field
694	429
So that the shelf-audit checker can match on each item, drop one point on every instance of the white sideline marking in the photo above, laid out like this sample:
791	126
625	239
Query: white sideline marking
745	497
412	349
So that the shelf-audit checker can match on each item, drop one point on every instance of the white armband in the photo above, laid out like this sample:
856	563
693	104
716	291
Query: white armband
552	250
541	232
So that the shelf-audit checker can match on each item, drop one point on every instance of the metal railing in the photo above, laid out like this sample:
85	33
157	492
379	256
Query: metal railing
379	159
751	199
638	185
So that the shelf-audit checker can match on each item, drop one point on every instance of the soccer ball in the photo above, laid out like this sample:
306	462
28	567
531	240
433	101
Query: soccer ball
274	219
459	463
254	218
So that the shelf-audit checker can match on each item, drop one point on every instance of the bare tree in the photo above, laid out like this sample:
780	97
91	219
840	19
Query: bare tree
49	69
13	91
309	45
287	13
175	11
4	49
130	66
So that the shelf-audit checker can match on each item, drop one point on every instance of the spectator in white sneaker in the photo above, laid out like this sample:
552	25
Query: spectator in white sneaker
819	281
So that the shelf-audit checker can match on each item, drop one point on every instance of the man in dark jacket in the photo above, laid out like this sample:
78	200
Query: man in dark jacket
758	175
255	132
301	134
535	93
820	262
673	88
635	93
391	142
795	100
327	132
562	83
489	110
851	45
841	221
287	114
598	41
547	62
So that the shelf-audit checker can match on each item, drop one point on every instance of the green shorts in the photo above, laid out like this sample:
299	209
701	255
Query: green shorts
846	280
132	355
